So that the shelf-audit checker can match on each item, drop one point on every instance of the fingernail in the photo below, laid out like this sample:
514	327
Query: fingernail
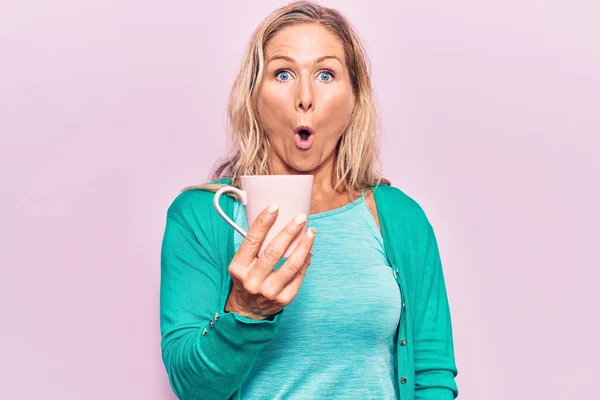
311	233
300	219
272	208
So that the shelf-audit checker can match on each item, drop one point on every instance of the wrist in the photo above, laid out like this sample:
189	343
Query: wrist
230	307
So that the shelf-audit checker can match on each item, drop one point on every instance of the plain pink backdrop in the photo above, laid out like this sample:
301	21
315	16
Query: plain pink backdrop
490	113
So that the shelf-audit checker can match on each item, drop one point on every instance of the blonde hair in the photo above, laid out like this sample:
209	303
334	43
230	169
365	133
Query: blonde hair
357	148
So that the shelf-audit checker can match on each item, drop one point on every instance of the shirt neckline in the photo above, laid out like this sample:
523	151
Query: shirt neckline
338	210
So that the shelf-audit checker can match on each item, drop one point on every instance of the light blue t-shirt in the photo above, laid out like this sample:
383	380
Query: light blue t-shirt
336	340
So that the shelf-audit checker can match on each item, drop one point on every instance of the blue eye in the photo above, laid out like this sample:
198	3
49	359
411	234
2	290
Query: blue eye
326	76
283	75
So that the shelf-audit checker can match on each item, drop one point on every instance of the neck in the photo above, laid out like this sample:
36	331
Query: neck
324	197
323	176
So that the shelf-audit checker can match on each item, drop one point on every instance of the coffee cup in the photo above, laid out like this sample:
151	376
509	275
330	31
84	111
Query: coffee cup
291	193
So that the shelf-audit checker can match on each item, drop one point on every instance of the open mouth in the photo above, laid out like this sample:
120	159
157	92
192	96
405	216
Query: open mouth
303	137
304	134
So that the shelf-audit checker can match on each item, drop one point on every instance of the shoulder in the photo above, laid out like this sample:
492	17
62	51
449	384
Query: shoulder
190	201
395	204
406	230
194	202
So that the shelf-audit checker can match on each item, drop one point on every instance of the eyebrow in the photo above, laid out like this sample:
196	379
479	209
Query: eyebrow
317	61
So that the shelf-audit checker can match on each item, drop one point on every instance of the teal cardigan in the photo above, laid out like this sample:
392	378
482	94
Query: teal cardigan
208	353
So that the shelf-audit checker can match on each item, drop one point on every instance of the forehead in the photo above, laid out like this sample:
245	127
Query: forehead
304	42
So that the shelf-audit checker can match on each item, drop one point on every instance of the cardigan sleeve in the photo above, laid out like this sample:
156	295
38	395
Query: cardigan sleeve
207	356
435	367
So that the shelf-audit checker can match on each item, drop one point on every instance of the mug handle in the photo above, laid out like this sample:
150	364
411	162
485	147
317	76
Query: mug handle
243	198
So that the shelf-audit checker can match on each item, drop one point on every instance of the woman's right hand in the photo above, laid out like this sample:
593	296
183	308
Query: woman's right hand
258	292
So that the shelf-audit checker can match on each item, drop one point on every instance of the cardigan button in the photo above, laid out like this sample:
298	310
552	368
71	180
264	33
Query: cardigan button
211	323
403	380
403	342
204	332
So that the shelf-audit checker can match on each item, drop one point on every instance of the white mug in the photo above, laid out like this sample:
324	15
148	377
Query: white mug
292	193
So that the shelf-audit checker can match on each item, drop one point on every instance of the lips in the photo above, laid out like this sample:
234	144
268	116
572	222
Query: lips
303	137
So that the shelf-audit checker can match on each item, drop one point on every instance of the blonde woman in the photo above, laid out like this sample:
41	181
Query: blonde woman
369	318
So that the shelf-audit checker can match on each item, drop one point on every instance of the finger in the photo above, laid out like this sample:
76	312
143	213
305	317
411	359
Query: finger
255	236
239	272
277	247
296	264
289	292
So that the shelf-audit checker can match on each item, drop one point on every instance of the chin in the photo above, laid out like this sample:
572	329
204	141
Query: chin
303	166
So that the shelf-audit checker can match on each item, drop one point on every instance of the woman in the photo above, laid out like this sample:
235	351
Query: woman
370	317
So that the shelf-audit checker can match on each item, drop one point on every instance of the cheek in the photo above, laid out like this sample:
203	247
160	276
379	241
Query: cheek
338	111
271	103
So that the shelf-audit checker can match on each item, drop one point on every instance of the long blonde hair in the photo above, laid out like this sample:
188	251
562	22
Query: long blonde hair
357	148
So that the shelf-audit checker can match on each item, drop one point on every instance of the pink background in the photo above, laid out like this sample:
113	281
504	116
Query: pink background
491	120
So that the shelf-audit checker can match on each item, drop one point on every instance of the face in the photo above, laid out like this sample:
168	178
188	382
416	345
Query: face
305	99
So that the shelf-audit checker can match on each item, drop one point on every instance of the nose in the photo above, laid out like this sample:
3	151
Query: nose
304	95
